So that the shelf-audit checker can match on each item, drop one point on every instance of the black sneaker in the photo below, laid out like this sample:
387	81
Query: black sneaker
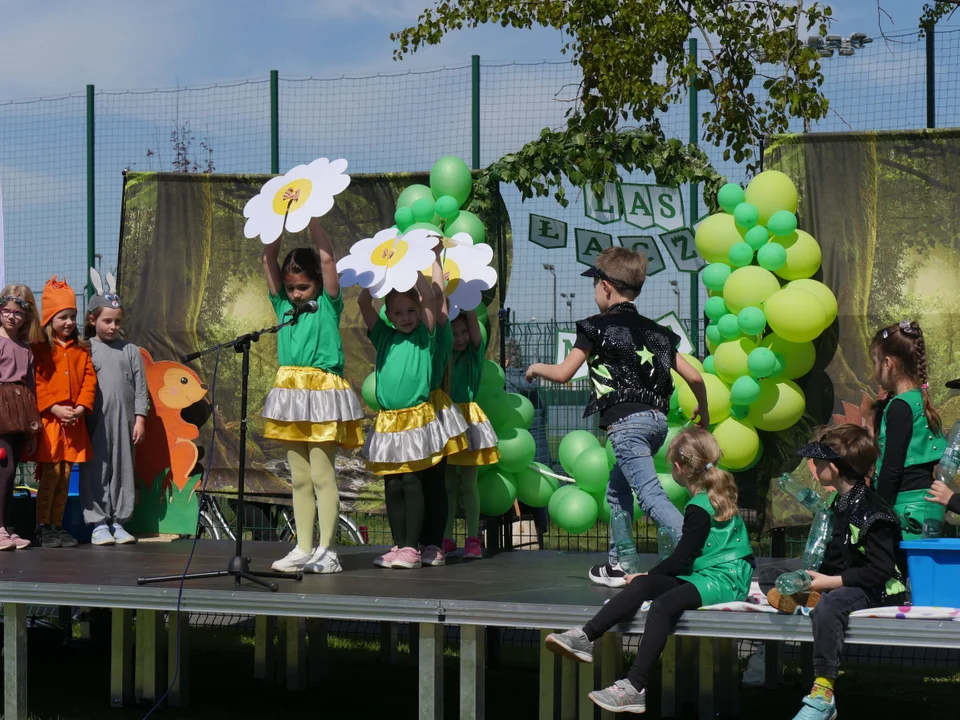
47	536
609	575
66	539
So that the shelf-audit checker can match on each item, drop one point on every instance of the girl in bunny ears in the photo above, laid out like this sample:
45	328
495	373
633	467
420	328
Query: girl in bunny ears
118	420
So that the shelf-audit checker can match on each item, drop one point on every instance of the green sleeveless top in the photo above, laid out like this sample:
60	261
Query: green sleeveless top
721	572
925	444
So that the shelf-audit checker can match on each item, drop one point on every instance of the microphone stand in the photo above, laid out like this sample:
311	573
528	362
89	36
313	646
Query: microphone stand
239	566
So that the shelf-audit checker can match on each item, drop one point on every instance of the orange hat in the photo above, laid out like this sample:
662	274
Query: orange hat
57	296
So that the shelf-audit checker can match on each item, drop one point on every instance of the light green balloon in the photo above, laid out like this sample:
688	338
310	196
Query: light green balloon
769	192
738	441
534	488
824	295
794	359
803	255
795	315
591	469
572	444
731	360
469	223
451	176
498	491
517	449
576	512
749	286
715	236
729	196
780	405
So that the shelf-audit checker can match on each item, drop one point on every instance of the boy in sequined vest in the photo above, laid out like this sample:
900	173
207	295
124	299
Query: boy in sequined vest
629	358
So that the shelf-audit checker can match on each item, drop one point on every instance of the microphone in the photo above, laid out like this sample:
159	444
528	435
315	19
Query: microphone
305	309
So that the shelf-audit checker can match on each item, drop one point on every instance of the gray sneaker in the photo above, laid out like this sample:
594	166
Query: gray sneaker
101	536
621	697
121	536
571	644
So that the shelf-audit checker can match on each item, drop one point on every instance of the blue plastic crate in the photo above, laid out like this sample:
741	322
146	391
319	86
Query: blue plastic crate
934	567
73	514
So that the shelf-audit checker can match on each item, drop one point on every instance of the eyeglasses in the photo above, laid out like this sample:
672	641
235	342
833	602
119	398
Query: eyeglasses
13	313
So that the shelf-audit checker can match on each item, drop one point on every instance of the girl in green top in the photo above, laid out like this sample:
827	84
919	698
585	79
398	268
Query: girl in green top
909	435
461	475
407	437
312	409
712	563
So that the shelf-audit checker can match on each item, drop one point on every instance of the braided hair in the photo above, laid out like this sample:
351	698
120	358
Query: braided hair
903	342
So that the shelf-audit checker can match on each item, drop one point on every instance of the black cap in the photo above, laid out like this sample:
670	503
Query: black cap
818	451
954	384
599	274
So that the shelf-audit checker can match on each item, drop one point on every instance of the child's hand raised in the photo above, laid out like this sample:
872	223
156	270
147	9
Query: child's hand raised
939	493
531	374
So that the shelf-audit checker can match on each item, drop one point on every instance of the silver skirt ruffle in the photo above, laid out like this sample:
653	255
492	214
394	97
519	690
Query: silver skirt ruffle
317	406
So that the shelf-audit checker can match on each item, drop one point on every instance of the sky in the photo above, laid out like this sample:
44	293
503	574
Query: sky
55	49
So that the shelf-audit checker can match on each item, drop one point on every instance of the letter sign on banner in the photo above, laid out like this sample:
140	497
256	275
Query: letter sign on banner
565	341
648	246
680	245
605	210
637	205
547	232
668	207
671	321
591	243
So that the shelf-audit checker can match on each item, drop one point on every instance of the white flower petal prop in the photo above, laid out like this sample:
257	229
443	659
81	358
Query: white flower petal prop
387	261
467	271
291	200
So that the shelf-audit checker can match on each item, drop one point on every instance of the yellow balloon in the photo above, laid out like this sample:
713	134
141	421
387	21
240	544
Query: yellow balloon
795	315
824	295
770	191
739	443
780	405
730	359
798	357
693	361
715	236
803	255
749	287
718	398
710	346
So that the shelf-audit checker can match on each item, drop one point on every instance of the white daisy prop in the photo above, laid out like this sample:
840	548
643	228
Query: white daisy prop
467	272
388	261
289	201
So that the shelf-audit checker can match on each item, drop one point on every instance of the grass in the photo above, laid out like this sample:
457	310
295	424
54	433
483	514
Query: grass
71	682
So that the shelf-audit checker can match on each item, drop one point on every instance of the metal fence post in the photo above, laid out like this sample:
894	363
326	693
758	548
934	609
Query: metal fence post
274	122
694	209
931	70
91	215
475	103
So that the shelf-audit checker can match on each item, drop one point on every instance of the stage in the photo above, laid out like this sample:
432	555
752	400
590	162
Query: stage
522	589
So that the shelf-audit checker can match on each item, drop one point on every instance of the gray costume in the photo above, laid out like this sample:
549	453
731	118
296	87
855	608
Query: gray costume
107	486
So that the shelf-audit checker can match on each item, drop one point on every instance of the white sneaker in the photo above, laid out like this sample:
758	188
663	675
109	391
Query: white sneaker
755	674
293	561
323	562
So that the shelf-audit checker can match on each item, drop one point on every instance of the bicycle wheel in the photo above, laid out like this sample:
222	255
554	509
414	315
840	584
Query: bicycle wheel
208	528
348	533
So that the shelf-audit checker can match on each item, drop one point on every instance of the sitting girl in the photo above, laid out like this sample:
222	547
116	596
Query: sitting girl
712	563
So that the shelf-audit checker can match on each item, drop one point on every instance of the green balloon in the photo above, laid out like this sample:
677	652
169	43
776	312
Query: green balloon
383	315
558	496
713	334
757	236
497	490
611	455
772	256
729	196
534	488
451	176
660	458
493	400
674	402
404	218
425	226
715	308
715	275
752	321
576	512
591	469
369	391
782	223
728	326
423	209
740	412
781	365
741	254
572	445
746	215
744	390
677	494
519	412
517	449
708	366
603	507
447	207
469	223
481	312
762	362
794	359
413	193
491	374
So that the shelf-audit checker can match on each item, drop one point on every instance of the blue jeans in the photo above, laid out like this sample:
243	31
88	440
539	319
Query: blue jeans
636	439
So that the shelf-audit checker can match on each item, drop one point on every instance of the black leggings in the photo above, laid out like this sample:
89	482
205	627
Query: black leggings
435	503
670	598
404	499
11	445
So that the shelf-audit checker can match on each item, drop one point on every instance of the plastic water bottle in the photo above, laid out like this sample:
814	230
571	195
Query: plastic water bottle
666	542
801	492
950	462
621	527
794	582
932	529
820	533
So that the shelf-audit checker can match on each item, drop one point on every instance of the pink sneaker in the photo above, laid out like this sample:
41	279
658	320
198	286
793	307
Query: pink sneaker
472	549
407	558
6	542
448	546
433	556
386	561
19	542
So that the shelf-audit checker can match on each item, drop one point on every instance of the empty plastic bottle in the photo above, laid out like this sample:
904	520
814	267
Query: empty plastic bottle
794	582
621	527
950	462
801	492
666	542
931	529
820	532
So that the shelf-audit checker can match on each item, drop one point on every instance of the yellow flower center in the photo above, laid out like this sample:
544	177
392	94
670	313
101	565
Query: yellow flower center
292	195
389	253
451	274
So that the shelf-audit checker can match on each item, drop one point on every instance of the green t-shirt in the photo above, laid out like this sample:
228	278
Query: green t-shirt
315	340
465	374
442	350
404	365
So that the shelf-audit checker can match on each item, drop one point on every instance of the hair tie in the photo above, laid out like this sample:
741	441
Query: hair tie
707	466
925	386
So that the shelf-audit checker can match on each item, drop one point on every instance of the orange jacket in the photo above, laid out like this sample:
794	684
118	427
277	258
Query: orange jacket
65	376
